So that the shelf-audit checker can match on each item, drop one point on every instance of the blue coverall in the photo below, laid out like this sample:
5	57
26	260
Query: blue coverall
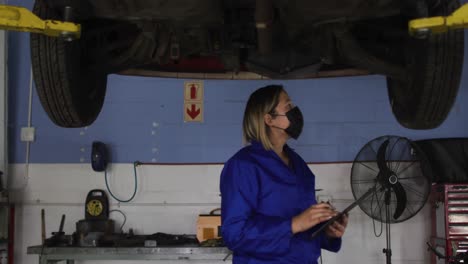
260	195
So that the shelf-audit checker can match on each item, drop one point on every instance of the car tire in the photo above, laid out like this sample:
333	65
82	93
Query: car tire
434	66
70	93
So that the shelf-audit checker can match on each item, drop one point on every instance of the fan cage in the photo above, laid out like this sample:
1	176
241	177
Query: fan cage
410	166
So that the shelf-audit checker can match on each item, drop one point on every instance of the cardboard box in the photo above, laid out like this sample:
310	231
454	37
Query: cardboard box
208	227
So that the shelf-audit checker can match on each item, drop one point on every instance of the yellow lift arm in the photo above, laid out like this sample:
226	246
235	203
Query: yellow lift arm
21	19
440	24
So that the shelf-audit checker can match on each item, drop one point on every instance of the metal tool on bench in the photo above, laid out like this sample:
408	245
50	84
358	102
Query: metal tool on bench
58	238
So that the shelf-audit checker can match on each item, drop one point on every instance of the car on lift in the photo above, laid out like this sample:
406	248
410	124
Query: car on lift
235	39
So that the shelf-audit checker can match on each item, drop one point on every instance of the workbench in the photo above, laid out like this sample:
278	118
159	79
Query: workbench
48	255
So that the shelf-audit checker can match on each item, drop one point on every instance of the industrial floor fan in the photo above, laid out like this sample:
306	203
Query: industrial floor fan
390	181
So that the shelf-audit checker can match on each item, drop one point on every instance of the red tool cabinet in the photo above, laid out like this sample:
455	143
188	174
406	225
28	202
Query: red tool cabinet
449	220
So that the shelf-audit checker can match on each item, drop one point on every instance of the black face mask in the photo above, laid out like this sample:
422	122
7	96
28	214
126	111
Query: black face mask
296	122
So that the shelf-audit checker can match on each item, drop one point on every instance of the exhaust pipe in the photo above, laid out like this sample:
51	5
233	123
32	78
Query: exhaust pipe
263	23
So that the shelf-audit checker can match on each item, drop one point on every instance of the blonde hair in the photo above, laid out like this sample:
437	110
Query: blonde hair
261	102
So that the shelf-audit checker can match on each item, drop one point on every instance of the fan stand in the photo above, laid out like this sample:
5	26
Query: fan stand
387	251
378	164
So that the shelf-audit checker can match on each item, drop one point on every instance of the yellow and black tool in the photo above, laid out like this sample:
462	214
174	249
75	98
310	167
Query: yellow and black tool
21	19
439	24
96	225
97	205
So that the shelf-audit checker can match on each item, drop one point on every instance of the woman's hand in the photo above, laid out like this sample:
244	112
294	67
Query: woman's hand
312	216
337	229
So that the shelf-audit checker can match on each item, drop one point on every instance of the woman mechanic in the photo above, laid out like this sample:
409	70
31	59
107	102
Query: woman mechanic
269	209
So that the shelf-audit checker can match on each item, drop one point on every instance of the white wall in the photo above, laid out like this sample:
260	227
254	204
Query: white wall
170	198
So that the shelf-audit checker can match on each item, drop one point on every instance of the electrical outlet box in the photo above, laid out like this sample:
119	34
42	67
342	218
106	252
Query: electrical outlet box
324	198
28	134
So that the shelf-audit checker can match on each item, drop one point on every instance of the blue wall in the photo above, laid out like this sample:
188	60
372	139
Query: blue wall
142	118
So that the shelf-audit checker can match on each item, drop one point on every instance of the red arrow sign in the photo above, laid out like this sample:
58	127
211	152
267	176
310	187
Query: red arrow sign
193	113
193	92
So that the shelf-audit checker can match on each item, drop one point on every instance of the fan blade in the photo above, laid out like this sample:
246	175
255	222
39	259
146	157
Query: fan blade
381	156
400	194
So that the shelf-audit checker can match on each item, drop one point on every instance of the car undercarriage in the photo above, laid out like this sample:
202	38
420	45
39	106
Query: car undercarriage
273	39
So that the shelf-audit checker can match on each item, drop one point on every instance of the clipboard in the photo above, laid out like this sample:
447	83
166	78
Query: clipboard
339	215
